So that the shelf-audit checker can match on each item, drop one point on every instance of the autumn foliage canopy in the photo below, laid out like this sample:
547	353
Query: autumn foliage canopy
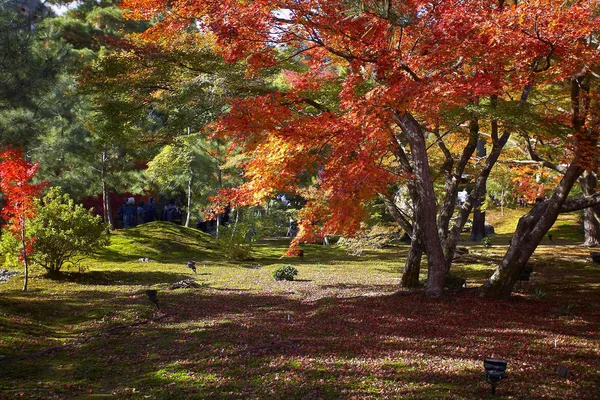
383	57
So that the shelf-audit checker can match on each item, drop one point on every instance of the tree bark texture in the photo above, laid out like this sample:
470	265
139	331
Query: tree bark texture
412	267
424	187
591	215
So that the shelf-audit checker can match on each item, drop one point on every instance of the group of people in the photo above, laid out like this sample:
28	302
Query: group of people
130	215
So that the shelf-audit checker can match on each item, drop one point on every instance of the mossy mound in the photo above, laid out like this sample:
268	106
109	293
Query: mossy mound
159	241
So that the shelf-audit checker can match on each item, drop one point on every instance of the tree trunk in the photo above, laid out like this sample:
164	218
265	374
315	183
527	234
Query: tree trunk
478	227
424	187
108	218
25	263
530	231
591	215
189	198
412	268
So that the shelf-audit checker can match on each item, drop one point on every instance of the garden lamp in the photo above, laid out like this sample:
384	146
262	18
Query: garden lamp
152	296
495	371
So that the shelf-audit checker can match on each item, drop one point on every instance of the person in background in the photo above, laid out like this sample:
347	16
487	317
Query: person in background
140	212
462	197
169	211
130	214
120	213
149	211
178	214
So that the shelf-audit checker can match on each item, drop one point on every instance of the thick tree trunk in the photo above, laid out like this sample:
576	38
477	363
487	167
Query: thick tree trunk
424	187
412	268
591	215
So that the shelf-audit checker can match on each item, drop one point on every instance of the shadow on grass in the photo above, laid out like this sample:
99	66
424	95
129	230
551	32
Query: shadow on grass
226	345
116	277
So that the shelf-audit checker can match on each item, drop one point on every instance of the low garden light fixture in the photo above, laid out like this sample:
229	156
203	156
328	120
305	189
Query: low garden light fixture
153	297
495	371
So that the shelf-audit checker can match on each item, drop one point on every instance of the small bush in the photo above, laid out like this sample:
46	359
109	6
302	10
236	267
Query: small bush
64	233
285	273
487	241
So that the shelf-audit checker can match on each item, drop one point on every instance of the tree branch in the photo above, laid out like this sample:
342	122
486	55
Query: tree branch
579	203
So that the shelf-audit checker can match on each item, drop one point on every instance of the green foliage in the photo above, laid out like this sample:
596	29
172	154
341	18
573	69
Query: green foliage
285	273
487	241
237	241
500	185
274	219
10	248
64	232
186	164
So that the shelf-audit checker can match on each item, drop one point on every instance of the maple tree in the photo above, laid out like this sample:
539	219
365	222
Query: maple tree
371	87
19	198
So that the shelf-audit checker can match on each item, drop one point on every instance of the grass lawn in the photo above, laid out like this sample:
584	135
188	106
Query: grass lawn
341	330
